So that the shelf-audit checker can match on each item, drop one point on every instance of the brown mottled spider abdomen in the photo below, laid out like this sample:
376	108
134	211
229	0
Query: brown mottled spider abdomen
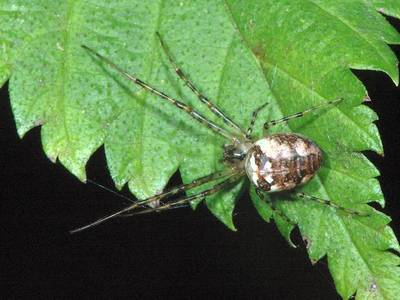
282	161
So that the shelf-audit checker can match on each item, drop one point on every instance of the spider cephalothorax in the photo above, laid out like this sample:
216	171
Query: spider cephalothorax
235	153
273	163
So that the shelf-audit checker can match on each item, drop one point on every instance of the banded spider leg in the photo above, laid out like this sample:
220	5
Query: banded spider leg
188	199
302	195
171	192
300	114
180	105
215	110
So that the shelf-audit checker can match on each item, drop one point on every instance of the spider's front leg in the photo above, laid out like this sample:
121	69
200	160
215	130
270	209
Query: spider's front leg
300	114
253	120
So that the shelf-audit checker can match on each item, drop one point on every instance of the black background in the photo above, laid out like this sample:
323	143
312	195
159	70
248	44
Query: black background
172	254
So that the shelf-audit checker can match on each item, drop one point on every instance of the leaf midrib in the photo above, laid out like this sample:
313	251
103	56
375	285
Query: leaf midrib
141	135
65	62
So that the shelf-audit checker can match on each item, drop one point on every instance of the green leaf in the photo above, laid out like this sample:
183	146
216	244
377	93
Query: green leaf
291	54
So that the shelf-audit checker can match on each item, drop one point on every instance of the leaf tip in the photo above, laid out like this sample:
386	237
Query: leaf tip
381	10
22	129
229	223
53	159
307	241
367	98
233	228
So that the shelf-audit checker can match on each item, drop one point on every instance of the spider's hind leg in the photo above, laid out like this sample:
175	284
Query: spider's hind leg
273	207
330	203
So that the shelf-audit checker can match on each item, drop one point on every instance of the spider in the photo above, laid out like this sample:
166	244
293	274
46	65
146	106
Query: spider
274	163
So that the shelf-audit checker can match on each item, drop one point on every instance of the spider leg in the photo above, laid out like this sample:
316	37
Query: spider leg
253	120
170	192
330	203
161	208
216	188
272	206
199	95
269	124
189	110
109	190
